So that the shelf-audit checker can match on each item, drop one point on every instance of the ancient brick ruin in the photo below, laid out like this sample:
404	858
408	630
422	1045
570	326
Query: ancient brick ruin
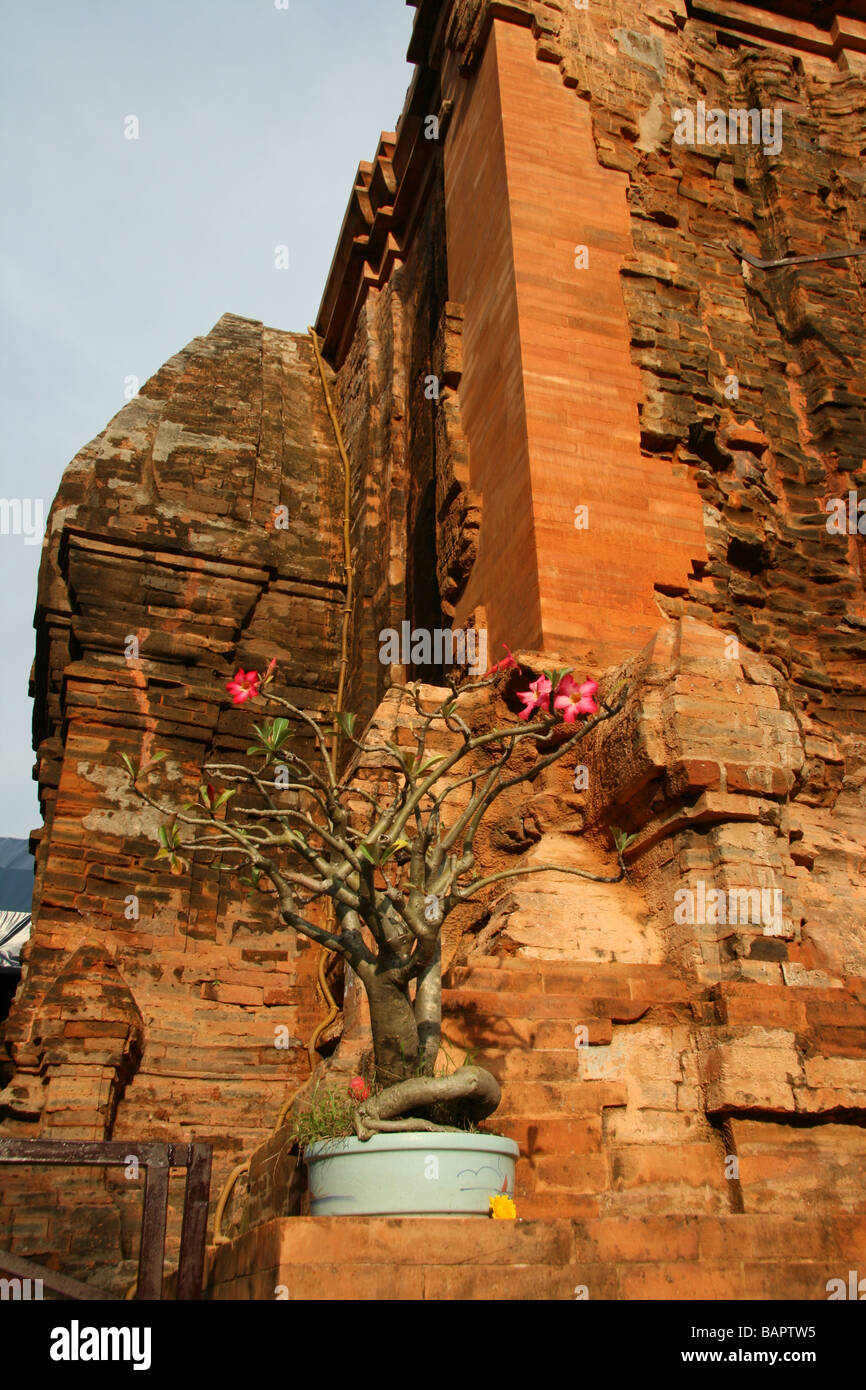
581	422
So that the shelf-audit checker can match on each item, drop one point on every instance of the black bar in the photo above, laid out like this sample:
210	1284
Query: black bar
151	1255
87	1154
157	1159
193	1234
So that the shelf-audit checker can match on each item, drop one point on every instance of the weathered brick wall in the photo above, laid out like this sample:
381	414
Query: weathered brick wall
154	1017
707	412
739	761
649	1257
720	1071
413	518
711	456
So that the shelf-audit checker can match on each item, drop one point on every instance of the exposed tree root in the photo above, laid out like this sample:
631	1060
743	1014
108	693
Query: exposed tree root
470	1090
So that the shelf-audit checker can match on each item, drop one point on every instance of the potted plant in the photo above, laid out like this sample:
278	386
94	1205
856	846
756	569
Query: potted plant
442	1171
391	867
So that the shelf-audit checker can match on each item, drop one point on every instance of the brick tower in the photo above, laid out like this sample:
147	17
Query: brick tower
589	414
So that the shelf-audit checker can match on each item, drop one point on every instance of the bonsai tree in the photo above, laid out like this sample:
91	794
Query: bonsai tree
393	866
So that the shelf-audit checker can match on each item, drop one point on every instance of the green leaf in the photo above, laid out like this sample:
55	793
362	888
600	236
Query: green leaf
280	731
367	853
431	762
393	849
272	736
556	676
169	836
130	767
346	722
223	798
251	879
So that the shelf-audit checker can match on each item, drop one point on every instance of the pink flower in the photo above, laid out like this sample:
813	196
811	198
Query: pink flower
572	699
358	1088
245	686
507	663
538	695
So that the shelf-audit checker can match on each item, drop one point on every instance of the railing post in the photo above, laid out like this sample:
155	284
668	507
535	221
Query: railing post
193	1234
157	1159
151	1255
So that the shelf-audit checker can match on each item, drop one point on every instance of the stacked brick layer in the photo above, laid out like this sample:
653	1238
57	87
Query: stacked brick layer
707	461
199	533
653	1257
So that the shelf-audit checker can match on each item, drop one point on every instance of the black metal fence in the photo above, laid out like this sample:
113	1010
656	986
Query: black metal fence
157	1160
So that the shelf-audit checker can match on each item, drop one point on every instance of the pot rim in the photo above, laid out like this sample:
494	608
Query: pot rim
403	1142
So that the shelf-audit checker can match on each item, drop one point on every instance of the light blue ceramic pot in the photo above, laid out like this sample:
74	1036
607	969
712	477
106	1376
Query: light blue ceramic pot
410	1174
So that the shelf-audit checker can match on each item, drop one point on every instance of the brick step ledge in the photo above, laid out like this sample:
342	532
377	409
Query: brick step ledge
701	1257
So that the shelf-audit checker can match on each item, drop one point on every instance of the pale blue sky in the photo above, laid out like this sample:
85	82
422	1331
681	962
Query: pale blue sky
114	253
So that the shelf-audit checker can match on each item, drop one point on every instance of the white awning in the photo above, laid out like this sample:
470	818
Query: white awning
14	931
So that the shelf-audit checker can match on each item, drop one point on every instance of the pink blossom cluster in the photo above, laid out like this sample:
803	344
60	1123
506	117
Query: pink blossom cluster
569	698
246	684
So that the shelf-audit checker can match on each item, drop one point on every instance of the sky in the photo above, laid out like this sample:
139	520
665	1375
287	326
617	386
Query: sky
115	252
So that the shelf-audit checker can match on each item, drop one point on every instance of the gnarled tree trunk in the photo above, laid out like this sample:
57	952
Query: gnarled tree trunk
395	1031
406	1038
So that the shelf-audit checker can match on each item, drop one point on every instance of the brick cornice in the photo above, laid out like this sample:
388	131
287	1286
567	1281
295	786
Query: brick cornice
380	220
462	26
826	30
389	193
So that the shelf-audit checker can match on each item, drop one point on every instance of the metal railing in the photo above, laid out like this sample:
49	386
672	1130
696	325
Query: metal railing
157	1160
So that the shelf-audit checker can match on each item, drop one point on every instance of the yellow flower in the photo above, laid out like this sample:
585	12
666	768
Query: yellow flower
502	1206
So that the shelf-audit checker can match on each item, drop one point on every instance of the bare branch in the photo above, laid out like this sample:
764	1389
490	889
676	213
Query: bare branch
462	894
